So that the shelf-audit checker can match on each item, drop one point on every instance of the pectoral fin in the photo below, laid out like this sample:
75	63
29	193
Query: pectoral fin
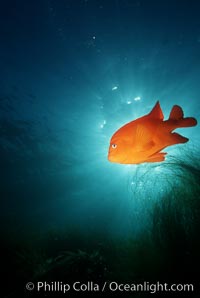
143	138
148	146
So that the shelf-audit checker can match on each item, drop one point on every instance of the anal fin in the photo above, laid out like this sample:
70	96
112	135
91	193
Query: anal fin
175	138
156	157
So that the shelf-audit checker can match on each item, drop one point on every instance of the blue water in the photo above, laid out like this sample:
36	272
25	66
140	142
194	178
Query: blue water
72	73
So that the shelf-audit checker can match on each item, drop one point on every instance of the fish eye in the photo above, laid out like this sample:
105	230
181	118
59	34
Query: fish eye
114	146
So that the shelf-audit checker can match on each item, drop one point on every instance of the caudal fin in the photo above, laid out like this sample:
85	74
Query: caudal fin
177	118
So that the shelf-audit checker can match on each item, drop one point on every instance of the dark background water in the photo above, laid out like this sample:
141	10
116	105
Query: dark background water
71	74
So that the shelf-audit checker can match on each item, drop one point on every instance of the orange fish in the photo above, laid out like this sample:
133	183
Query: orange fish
141	140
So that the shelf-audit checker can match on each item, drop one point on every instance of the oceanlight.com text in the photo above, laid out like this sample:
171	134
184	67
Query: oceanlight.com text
90	286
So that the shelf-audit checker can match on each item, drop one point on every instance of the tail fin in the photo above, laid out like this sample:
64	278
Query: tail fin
178	116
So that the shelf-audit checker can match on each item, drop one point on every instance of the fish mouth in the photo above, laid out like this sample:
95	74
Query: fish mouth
111	157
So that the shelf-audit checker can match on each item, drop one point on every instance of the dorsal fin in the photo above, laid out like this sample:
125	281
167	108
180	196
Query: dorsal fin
176	113
156	112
